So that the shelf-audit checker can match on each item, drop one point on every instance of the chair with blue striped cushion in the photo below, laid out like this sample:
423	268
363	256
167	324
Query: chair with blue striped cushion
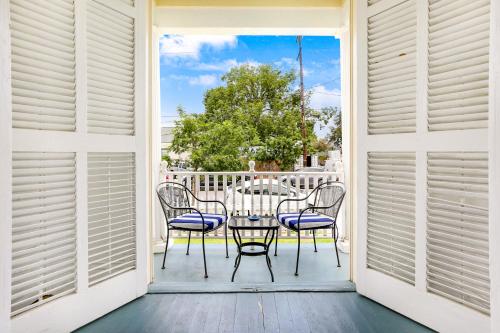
322	214
194	221
180	215
307	220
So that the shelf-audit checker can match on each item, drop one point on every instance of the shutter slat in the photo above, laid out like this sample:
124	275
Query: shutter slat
392	70
391	214
43	228
43	73
111	215
111	74
458	84
457	227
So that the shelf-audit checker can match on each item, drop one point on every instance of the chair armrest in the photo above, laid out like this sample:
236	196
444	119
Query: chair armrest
191	208
217	202
293	200
208	201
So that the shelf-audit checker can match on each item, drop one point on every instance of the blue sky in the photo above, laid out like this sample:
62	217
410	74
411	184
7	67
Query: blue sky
190	65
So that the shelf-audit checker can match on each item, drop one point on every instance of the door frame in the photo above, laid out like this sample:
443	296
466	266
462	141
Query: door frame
241	21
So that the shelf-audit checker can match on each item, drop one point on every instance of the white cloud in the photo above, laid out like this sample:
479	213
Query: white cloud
322	97
224	66
289	62
203	80
189	46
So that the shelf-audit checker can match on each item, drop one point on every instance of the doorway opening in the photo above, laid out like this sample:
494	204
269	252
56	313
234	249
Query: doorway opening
250	120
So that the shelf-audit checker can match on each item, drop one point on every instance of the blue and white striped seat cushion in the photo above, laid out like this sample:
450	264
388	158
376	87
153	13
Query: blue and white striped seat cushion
193	221
307	220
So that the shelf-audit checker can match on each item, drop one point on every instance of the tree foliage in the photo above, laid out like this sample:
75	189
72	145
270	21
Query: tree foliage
335	136
255	114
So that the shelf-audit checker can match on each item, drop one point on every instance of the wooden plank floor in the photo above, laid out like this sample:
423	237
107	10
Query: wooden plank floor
318	270
253	312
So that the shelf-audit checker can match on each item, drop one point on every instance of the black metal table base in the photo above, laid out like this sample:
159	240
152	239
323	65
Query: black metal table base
266	245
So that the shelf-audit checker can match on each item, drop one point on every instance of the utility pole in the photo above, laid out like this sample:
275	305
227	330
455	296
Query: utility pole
302	105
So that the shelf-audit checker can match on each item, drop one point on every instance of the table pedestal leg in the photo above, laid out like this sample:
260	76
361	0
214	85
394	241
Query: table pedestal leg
238	257
268	260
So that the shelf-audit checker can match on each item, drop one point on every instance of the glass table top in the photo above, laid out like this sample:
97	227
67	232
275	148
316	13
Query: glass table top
242	222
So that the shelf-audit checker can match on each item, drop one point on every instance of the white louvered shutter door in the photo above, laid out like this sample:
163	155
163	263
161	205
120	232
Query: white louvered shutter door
78	137
424	113
111	70
392	70
391	214
111	205
43	228
457	230
43	64
458	64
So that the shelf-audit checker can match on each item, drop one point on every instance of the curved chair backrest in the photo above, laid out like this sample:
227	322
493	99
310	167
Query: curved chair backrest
329	196
173	197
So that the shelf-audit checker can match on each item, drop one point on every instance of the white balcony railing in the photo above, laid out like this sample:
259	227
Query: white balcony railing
258	193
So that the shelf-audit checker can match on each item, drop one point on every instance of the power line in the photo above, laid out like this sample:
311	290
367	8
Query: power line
323	83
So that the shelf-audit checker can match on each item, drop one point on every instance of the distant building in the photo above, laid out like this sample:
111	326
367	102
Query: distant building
167	137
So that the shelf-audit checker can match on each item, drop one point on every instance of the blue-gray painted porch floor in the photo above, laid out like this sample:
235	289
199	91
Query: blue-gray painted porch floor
253	312
318	271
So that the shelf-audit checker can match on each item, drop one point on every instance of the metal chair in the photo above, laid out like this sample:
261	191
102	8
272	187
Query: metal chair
322	214
180	215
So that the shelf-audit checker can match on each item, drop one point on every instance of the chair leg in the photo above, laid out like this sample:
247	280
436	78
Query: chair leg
298	254
314	238
276	244
204	258
189	242
225	235
335	242
165	253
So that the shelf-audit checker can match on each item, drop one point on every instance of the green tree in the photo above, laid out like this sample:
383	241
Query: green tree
335	136
255	114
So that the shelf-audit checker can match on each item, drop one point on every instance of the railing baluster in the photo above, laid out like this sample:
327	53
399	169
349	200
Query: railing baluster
270	180
206	188
233	192
261	195
189	186
215	206
261	202
216	192
197	189
297	192
306	184
243	192
288	193
224	189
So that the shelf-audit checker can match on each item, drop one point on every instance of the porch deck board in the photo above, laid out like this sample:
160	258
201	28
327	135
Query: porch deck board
317	271
253	312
